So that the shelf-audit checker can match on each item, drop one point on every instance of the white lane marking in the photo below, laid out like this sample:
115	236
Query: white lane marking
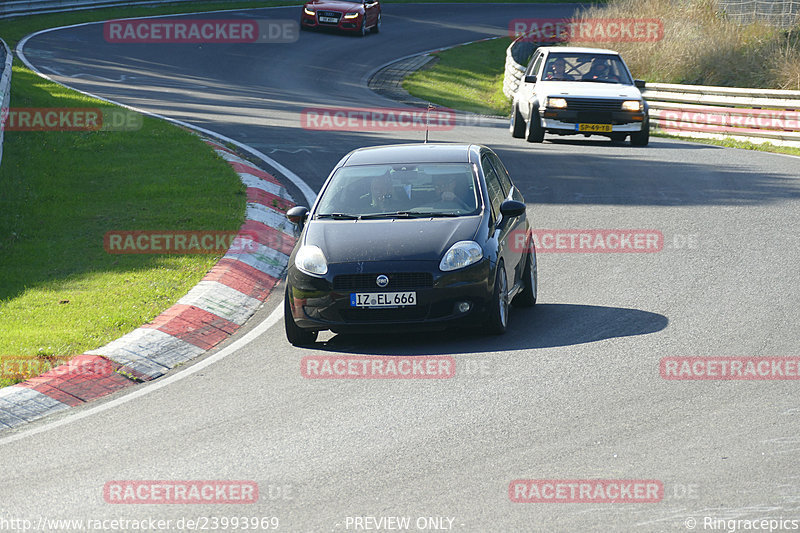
153	386
122	77
290	151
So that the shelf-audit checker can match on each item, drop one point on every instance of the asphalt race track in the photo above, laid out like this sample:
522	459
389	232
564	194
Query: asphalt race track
572	392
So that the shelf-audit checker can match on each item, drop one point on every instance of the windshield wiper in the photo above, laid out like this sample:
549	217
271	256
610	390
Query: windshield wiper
410	214
395	214
602	81
339	216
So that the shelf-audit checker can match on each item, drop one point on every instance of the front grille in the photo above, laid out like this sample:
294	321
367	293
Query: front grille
593	104
329	14
397	281
594	117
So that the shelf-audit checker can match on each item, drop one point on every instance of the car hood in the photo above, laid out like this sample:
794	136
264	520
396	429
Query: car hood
333	5
588	89
344	241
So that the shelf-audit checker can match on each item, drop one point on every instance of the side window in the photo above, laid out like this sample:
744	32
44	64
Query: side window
534	68
495	189
502	173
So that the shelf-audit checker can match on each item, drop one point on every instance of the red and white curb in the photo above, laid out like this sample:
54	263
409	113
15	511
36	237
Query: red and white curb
209	313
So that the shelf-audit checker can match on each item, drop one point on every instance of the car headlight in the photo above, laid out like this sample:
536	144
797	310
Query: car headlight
309	11
558	103
632	105
460	255
351	15
311	260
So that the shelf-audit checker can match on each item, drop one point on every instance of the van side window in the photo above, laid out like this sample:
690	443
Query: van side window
534	68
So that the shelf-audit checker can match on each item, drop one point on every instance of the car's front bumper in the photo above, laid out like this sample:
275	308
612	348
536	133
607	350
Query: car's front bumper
567	122
325	302
345	25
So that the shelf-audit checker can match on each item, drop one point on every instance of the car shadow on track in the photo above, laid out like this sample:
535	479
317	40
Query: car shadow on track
544	326
655	143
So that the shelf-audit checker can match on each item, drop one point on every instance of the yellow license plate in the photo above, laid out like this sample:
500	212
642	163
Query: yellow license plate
605	128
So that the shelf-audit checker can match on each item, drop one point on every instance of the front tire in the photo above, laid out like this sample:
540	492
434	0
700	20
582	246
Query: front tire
534	133
363	30
377	27
641	138
517	127
497	318
297	336
527	298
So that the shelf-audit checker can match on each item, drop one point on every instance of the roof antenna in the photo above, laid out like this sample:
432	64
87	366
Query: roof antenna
427	119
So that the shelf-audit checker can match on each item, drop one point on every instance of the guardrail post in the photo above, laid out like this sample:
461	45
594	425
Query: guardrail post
5	89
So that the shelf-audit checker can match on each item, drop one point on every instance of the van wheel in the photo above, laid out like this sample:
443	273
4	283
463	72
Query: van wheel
534	133
517	127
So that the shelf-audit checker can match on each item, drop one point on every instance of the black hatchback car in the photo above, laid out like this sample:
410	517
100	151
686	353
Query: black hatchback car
418	236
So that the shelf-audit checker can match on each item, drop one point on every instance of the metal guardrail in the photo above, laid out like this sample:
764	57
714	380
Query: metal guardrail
780	13
17	8
755	115
5	89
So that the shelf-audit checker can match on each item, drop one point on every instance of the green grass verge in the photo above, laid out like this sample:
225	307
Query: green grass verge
61	294
734	143
468	78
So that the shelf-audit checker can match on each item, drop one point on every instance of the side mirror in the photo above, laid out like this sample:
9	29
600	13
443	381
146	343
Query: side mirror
297	215
530	79
639	84
512	208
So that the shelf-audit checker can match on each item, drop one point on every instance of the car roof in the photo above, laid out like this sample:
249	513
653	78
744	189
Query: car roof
577	50
411	153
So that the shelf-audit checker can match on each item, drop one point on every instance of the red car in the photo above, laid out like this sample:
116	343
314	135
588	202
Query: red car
344	15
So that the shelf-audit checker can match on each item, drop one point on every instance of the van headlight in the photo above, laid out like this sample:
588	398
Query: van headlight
632	105
557	103
311	260
460	255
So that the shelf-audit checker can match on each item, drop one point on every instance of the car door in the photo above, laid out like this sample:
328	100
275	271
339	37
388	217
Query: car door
502	228
526	93
516	255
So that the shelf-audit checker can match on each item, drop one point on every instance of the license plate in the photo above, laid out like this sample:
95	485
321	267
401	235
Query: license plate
382	299
605	128
329	19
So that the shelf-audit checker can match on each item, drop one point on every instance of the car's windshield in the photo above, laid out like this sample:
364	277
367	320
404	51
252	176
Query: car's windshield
600	68
407	190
